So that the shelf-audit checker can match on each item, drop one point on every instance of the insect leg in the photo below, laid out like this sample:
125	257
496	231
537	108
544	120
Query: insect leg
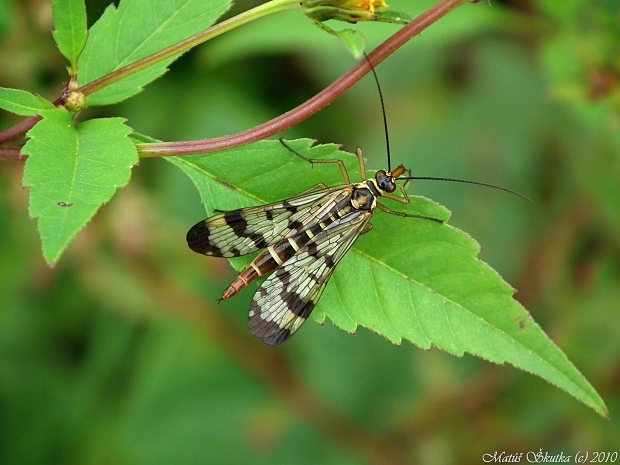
407	182
319	186
367	228
404	199
403	214
360	160
340	164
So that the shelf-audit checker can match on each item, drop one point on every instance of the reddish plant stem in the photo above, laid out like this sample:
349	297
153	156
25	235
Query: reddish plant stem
11	154
18	130
288	119
307	109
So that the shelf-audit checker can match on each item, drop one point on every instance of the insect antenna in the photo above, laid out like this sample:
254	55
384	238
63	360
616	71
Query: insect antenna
424	178
385	125
484	184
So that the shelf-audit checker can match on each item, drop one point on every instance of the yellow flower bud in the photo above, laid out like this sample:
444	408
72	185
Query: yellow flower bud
350	11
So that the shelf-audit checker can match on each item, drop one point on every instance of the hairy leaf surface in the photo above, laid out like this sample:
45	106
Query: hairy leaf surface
72	171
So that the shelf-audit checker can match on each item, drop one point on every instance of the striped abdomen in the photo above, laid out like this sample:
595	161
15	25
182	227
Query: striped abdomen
277	254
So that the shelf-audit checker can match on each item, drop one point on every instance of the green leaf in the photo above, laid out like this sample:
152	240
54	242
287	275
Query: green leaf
406	279
136	29
70	29
72	172
353	40
394	15
22	103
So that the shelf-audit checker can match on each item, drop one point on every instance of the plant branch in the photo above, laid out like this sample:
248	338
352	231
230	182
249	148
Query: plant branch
268	8
19	129
313	105
260	11
10	154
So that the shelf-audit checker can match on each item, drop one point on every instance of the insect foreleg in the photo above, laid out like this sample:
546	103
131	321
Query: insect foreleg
404	199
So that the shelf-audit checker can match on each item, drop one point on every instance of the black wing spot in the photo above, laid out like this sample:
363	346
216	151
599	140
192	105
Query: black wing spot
198	239
236	220
259	240
288	206
297	305
296	226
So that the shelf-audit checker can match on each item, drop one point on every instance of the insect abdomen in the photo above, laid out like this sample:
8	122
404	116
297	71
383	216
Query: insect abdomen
267	261
275	255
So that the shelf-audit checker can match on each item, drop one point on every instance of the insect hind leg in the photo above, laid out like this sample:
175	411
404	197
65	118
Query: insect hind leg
343	169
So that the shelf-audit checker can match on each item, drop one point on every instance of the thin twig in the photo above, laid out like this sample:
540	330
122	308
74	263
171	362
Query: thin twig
11	154
310	107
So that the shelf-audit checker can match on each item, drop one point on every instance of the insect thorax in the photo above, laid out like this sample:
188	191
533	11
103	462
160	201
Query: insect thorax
364	196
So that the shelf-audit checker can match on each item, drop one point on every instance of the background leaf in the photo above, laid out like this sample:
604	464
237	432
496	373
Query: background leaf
407	278
22	103
353	40
70	29
135	30
72	171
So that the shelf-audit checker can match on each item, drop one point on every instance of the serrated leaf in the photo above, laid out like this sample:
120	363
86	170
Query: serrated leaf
72	171
70	29
136	29
406	279
22	103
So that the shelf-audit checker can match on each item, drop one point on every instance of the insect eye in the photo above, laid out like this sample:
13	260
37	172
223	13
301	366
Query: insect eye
385	182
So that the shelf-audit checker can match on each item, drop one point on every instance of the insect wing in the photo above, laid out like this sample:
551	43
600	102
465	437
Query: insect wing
240	232
285	300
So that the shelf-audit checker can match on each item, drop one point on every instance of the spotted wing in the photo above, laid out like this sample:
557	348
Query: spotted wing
287	297
240	232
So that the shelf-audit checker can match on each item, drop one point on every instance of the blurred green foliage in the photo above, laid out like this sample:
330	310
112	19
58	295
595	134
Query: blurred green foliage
119	355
